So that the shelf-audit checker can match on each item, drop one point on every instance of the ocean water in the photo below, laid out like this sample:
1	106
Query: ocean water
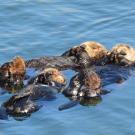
34	28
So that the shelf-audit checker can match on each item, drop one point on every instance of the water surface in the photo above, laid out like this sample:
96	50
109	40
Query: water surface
33	28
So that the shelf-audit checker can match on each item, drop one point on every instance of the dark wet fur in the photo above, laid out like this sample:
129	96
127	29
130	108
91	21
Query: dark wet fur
61	63
36	92
25	100
17	105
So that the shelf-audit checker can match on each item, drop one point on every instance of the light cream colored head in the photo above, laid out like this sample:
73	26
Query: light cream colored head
127	51
55	75
94	49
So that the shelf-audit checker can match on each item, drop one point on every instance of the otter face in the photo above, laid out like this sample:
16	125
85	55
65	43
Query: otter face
51	77
13	70
122	54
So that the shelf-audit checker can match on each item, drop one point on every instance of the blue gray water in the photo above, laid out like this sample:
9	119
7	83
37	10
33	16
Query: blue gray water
33	28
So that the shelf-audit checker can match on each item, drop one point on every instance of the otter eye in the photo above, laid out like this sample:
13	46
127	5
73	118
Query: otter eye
123	52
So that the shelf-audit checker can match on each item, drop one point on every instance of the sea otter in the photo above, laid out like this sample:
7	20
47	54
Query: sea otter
89	52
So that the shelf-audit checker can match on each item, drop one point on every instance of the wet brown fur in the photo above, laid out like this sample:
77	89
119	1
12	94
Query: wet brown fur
15	67
92	81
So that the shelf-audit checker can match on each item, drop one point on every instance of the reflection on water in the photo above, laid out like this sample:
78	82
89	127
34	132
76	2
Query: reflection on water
91	102
42	27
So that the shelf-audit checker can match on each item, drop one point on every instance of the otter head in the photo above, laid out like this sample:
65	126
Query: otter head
89	52
91	85
13	70
51	77
94	49
122	54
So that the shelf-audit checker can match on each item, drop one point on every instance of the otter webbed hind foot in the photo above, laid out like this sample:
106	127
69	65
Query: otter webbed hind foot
68	105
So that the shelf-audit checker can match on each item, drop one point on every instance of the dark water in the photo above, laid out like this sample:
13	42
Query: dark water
33	28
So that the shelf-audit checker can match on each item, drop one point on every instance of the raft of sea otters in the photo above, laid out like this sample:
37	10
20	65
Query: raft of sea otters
95	67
